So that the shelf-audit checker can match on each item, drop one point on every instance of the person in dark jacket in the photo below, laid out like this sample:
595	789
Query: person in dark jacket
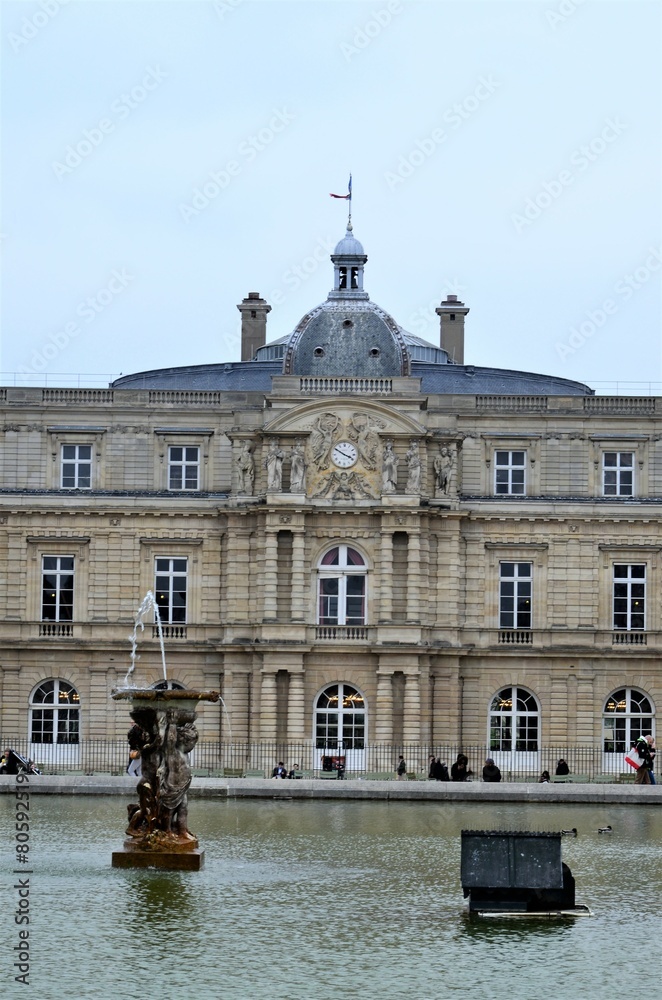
491	772
460	770
9	762
562	767
440	770
643	776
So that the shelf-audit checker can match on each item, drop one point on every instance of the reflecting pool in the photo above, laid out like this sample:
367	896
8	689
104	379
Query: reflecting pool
307	900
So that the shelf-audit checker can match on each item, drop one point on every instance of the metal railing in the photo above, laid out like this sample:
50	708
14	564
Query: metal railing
237	759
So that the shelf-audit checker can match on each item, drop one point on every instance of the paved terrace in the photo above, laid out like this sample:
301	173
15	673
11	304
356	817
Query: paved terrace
353	789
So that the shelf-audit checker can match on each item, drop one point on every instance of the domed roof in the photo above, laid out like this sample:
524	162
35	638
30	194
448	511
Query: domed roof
352	337
349	246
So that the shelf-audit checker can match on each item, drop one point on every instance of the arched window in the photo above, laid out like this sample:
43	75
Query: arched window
342	587
54	713
168	686
514	721
340	726
628	714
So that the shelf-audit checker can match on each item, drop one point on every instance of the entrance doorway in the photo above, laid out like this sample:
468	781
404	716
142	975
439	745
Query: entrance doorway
340	727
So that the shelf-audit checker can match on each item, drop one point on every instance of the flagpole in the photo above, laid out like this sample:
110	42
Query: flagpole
349	216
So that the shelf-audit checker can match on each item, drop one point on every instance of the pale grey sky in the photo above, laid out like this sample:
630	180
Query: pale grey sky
505	151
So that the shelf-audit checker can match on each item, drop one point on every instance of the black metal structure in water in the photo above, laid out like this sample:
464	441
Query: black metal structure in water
515	872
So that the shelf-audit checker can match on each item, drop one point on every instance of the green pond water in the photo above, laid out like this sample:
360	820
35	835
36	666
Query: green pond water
307	900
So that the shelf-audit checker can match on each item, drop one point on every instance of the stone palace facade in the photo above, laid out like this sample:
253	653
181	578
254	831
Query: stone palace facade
355	536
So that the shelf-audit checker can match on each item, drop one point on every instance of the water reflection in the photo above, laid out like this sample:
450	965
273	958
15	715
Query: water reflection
300	900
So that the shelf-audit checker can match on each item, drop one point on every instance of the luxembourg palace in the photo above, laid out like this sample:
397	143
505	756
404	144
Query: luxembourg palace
352	534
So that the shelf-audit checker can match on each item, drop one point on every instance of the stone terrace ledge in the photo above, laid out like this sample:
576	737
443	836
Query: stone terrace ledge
352	789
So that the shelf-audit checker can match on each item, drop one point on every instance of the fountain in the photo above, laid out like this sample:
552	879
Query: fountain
164	722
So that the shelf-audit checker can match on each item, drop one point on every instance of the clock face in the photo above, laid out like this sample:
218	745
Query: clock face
344	454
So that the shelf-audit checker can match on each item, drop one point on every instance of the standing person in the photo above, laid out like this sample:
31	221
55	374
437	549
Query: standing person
643	776
136	738
651	746
441	770
431	763
401	769
491	772
562	767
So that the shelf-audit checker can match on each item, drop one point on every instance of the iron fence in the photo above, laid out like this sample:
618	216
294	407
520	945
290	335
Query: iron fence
237	759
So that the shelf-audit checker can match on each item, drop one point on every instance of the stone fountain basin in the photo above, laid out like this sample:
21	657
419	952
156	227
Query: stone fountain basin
162	701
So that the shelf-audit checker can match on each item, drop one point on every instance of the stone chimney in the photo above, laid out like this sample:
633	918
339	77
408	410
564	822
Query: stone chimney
253	324
451	313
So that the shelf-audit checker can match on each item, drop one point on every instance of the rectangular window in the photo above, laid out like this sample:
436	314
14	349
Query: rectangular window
509	472
629	597
618	474
183	468
171	590
57	588
515	592
76	466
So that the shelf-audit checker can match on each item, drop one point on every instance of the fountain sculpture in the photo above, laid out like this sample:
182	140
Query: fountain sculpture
164	723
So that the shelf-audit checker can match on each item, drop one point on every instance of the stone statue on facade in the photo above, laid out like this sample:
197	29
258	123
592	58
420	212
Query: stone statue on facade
321	439
344	486
362	430
246	469
390	464
273	463
413	468
444	470
298	468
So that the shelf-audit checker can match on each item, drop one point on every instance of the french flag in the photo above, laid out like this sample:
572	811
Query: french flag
347	196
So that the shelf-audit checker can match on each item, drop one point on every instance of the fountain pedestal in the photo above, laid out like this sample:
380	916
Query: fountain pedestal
158	834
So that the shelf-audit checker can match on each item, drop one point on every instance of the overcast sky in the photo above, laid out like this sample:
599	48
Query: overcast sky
162	159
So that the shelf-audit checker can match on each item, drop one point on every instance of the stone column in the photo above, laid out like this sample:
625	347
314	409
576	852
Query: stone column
384	708
412	719
296	714
414	578
270	607
298	577
268	706
238	570
235	725
385	610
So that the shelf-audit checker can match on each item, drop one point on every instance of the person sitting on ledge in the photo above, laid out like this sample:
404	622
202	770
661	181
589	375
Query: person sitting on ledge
295	772
460	770
544	778
491	772
440	770
279	771
9	762
562	767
